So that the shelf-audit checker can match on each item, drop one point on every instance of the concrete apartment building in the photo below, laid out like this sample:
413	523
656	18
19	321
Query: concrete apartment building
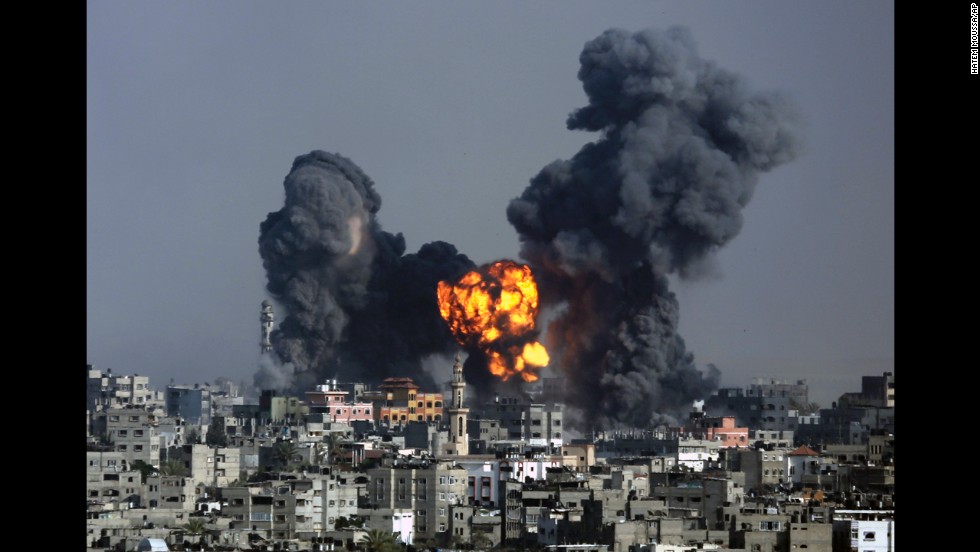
398	401
856	417
600	492
768	403
578	457
636	443
106	390
236	426
761	531
864	530
847	425
269	509
697	454
484	434
772	438
335	405
878	391
172	492
715	499
763	468
304	508
428	492
323	498
803	460
472	524
110	484
538	425
276	408
224	405
131	431
192	403
208	466
716	428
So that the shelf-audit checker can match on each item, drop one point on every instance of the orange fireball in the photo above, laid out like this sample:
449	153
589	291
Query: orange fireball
493	309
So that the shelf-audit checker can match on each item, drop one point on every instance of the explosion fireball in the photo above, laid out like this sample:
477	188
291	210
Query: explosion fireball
493	310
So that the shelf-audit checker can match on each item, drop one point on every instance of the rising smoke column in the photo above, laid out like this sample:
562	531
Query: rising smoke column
681	145
355	305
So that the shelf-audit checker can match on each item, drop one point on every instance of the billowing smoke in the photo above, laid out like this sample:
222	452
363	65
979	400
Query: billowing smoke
356	307
681	145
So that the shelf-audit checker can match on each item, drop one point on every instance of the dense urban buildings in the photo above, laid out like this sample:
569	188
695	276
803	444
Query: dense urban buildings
756	469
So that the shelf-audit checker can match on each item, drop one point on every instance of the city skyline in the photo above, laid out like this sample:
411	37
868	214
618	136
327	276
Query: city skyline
195	114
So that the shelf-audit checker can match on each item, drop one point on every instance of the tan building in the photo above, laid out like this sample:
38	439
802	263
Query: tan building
110	484
399	400
108	390
429	492
578	457
131	431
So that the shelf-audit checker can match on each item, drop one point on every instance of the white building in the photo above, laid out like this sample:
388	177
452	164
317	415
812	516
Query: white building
403	525
867	530
697	454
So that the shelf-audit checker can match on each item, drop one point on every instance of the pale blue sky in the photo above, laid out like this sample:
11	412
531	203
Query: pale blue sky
196	111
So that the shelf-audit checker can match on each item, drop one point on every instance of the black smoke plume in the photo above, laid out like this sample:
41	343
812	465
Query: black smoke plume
356	306
682	142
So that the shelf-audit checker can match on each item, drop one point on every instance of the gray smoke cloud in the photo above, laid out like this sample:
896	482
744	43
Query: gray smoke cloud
356	306
682	143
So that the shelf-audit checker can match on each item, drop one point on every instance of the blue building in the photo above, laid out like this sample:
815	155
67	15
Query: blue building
193	404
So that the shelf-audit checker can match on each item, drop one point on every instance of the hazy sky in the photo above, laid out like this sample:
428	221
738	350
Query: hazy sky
196	111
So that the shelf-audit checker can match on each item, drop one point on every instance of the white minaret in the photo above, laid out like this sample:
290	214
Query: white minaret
459	442
267	318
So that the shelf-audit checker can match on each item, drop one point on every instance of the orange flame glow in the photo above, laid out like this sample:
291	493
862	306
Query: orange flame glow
494	309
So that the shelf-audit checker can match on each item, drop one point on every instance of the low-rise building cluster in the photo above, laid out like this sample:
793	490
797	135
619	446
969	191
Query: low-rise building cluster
201	467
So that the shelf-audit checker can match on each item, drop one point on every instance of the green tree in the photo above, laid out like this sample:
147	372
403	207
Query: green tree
145	469
352	522
285	454
216	436
193	437
481	541
194	526
379	541
174	467
329	450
